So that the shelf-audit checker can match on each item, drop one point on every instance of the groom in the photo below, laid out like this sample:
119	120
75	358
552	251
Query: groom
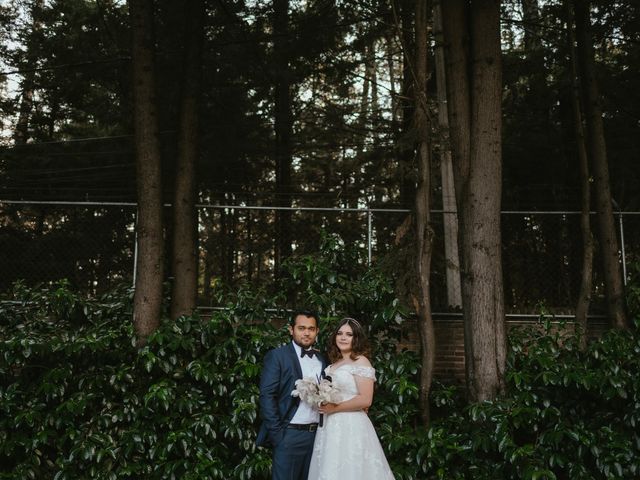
288	425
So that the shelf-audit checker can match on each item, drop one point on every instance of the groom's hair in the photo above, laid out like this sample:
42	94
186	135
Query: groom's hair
306	313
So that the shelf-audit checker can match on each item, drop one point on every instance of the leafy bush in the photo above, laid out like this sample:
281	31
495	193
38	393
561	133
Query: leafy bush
568	414
78	400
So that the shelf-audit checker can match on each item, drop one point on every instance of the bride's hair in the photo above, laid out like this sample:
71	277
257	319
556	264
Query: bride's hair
359	344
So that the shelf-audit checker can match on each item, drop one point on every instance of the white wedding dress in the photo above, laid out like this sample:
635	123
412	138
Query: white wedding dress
347	445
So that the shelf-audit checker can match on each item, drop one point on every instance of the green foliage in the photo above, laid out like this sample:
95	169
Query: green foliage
568	414
78	400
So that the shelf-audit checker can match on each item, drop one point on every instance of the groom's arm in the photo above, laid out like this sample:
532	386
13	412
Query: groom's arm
270	394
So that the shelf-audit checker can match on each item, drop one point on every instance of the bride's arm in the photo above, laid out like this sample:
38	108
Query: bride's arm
359	402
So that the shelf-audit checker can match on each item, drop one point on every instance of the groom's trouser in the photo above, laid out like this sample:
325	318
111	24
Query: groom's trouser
291	457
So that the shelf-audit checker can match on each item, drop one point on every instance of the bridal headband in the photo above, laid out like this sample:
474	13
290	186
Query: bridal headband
354	321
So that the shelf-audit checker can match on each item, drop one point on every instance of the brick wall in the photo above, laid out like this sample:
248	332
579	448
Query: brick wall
449	367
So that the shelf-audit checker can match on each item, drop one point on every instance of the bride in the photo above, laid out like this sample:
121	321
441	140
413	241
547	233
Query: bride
347	445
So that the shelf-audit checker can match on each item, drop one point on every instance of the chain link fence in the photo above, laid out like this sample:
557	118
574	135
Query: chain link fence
93	246
90	245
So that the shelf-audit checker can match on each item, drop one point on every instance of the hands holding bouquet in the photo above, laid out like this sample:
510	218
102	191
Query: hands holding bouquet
316	392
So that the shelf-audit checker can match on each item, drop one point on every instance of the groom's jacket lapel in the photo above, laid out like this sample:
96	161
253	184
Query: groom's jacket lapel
323	360
291	401
292	357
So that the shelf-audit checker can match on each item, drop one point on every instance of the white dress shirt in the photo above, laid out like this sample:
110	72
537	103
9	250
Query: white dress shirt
311	367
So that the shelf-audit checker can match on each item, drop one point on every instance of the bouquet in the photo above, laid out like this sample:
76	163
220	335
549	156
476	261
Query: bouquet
316	392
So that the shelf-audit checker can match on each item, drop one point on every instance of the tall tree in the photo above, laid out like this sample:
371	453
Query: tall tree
21	133
450	211
283	125
472	39
455	27
185	219
147	300
533	33
405	152
597	150
424	232
586	277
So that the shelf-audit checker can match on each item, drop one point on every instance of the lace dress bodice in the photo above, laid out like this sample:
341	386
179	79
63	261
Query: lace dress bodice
344	378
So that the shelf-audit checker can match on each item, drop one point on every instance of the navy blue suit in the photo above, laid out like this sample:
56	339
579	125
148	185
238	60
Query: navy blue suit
280	371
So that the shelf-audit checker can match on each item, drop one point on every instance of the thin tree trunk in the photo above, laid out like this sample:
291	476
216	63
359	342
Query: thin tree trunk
531	21
283	131
424	233
185	220
392	78
148	286
249	246
233	244
537	78
262	221
586	281
405	152
450	215
598	153
455	27
372	73
226	248
21	134
208	221
362	116
208	275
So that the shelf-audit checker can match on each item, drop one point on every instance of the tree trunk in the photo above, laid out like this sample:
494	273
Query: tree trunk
249	246
234	247
389	44
586	280
185	219
283	131
371	72
532	25
450	215
363	116
598	153
21	134
149	267
211	245
539	89
405	152
474	78
485	189
455	28
225	237
424	233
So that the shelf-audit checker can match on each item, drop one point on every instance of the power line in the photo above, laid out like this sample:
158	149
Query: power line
31	172
65	65
72	140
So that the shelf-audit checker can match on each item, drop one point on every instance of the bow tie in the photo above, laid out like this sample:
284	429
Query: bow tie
311	352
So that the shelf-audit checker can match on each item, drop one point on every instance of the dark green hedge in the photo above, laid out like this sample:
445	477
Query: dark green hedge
78	400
